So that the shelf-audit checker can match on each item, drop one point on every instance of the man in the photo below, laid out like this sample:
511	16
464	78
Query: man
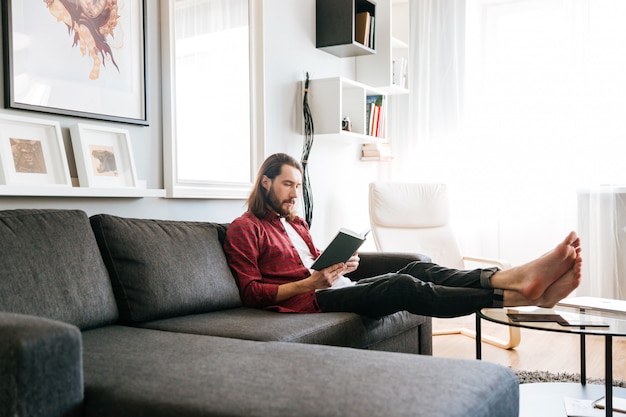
270	250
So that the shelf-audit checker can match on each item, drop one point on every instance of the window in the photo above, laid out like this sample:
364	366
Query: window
541	85
212	89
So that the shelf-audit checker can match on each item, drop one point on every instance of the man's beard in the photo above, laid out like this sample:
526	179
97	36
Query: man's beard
272	201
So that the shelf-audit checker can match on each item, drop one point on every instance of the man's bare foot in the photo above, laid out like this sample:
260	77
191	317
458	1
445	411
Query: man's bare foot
534	277
562	287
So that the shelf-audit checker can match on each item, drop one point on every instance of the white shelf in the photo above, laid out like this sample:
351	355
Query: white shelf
62	191
335	25
332	99
392	45
351	137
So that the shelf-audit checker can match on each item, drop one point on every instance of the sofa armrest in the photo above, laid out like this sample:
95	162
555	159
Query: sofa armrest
40	367
378	263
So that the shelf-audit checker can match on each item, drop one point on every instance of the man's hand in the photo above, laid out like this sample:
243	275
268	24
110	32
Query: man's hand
316	281
325	278
352	264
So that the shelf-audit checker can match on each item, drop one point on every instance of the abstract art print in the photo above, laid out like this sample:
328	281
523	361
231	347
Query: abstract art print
82	58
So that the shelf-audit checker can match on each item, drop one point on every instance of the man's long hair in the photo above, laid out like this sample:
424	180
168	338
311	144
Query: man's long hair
271	168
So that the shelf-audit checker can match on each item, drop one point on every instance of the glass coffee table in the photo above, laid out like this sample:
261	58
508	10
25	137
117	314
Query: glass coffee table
580	320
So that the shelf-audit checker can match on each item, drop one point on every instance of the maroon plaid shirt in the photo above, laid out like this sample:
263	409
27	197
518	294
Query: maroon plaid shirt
262	257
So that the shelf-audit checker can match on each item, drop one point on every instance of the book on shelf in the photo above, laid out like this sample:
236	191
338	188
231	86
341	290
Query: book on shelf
376	152
362	28
372	32
374	115
376	158
370	104
340	249
374	130
399	72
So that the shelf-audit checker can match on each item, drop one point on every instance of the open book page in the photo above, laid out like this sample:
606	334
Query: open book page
340	249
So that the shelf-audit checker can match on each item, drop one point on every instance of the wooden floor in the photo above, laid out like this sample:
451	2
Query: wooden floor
538	350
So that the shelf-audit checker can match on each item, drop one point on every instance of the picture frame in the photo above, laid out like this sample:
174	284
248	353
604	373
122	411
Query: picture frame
32	153
99	69
104	157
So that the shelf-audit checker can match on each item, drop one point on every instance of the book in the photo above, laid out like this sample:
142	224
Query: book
373	113
376	149
579	320
576	407
595	303
619	404
372	32
340	249
370	104
362	28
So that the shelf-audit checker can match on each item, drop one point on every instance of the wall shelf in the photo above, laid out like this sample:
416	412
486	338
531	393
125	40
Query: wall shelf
42	191
332	99
350	137
335	26
388	69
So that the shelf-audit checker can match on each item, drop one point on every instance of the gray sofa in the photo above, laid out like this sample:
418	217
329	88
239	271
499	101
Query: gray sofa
109	316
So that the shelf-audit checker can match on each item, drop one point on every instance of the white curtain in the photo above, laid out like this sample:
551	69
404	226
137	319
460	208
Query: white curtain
521	108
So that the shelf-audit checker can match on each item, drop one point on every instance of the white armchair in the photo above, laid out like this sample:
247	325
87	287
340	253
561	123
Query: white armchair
415	217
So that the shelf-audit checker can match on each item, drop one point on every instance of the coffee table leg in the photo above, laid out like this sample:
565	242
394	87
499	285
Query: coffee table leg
583	364
479	337
608	374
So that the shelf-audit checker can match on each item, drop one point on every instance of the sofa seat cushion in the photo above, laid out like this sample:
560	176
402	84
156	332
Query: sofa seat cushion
50	266
337	329
131	371
162	268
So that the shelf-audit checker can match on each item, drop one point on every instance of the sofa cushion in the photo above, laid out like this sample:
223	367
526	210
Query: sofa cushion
130	371
337	329
50	266
162	268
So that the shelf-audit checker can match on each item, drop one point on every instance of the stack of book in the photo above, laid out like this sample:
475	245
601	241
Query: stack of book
375	115
376	152
364	29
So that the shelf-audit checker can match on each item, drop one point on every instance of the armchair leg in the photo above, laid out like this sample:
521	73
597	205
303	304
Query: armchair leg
512	342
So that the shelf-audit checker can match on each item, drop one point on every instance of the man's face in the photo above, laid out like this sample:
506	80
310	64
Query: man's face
282	192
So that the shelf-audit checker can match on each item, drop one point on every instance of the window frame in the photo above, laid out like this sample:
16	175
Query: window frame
206	188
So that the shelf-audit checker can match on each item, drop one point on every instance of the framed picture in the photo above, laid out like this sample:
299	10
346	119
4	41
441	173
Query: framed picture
32	153
103	156
87	60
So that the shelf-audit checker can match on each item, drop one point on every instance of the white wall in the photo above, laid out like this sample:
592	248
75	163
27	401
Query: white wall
338	178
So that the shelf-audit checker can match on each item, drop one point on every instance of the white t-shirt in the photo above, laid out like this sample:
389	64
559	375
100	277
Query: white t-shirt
307	256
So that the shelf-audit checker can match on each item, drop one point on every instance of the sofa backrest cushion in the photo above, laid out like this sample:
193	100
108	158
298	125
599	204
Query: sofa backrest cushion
50	266
164	268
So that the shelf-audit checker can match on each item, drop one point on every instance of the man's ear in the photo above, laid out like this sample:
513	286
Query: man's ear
266	183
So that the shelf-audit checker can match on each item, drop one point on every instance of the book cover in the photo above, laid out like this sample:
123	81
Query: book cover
370	104
361	28
340	249
372	32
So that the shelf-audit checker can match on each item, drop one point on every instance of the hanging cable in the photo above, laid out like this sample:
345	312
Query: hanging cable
307	193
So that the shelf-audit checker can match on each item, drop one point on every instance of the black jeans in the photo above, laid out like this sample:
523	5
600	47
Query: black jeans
421	288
